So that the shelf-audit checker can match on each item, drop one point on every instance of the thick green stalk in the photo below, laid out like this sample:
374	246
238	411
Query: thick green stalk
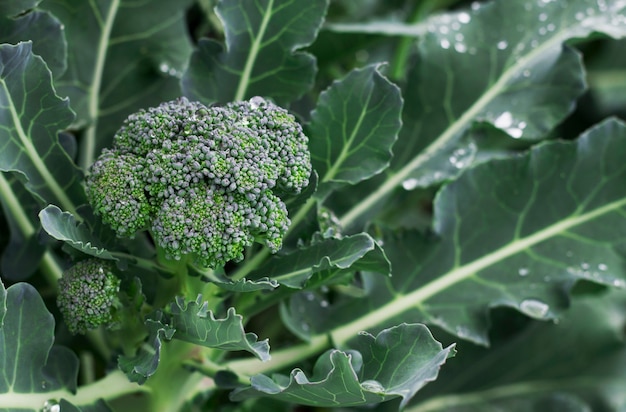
111	387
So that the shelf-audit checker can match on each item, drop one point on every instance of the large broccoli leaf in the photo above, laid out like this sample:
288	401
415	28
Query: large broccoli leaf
576	361
395	363
515	232
518	76
21	23
262	37
31	115
354	126
122	56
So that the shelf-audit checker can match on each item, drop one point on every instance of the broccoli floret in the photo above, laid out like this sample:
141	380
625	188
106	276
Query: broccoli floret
206	181
88	295
116	194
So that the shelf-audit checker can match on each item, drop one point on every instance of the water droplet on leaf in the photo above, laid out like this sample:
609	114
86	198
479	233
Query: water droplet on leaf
523	271
410	184
373	386
504	120
51	405
534	308
465	17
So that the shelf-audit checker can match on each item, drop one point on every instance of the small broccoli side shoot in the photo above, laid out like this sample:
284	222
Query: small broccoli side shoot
205	181
88	295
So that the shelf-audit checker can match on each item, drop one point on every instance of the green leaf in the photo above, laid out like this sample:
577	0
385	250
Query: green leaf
11	8
139	367
515	232
32	371
518	76
27	336
354	126
123	55
579	358
396	363
31	115
62	226
22	255
194	323
46	33
260	59
245	285
326	259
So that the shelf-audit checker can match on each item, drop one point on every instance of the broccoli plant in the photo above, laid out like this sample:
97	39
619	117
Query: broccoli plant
321	205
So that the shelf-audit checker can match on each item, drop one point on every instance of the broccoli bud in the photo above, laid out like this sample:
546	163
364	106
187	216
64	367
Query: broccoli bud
206	181
88	295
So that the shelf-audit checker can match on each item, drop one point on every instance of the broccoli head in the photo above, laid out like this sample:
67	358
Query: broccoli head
206	181
88	295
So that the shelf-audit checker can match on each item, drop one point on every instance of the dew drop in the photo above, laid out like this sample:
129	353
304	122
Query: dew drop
309	296
515	132
455	25
459	37
523	271
373	386
324	303
502	44
445	43
602	267
410	184
164	68
51	406
542	31
534	308
465	17
580	16
619	283
305	327
460	47
443	29
475	5
504	120
543	17
584	265
551	27
526	73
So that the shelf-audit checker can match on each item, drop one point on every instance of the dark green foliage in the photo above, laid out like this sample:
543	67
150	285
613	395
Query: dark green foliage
468	188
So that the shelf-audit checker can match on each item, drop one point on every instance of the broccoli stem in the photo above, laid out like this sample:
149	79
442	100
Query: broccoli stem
171	384
176	356
111	387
